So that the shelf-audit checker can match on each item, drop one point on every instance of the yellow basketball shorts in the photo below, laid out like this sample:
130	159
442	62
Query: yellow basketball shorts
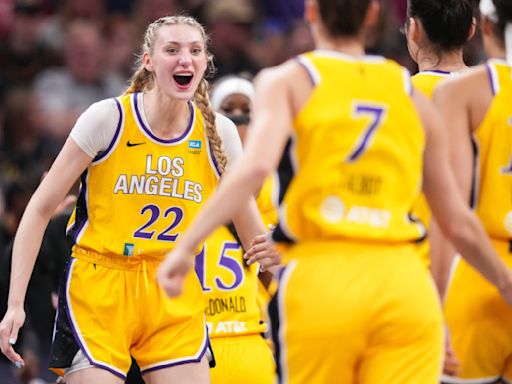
356	313
242	359
480	324
112	308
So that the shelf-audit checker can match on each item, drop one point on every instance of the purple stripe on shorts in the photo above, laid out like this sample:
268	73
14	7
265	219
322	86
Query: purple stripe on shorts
168	365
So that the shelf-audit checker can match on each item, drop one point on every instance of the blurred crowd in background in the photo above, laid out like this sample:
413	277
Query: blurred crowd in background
57	57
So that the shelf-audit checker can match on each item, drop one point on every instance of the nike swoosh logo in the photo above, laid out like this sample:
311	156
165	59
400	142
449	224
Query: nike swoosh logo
128	144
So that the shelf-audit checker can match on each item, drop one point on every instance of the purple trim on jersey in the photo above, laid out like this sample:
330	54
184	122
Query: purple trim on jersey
148	131
81	214
75	333
212	155
116	135
299	59
437	71
168	365
491	78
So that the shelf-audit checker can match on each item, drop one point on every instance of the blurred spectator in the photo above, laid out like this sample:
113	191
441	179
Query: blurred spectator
23	151
65	92
385	38
54	31
122	42
21	54
148	11
298	39
280	15
230	24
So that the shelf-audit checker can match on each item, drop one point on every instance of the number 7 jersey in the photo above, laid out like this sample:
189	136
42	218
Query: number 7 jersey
140	194
356	154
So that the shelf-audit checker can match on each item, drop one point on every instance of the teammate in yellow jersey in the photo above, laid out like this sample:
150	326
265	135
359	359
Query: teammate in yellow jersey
478	109
436	32
148	160
356	305
232	311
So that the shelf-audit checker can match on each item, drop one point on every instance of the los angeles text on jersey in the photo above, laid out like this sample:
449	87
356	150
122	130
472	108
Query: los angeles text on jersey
162	177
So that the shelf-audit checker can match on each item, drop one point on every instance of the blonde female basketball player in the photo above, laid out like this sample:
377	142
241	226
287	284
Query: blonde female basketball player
148	160
478	109
356	304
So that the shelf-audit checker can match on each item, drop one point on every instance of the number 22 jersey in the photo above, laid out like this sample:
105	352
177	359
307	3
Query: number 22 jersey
141	193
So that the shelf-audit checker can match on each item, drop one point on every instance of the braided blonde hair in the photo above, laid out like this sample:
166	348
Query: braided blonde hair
143	79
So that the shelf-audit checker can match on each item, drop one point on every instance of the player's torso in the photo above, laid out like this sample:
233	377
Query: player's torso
230	287
492	195
357	153
426	82
141	194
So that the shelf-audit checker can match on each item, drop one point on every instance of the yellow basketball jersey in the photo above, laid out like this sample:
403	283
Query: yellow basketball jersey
266	201
492	195
229	285
138	196
426	82
357	154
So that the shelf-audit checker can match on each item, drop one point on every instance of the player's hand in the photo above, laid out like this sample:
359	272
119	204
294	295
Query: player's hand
263	251
451	365
172	271
9	328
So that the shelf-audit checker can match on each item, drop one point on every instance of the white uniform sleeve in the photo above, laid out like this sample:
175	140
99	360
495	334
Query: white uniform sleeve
230	138
95	128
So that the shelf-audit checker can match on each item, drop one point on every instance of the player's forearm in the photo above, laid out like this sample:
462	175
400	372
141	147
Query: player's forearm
474	245
26	248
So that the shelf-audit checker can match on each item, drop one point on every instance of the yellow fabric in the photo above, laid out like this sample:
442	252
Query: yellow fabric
358	145
266	203
230	287
426	82
480	322
493	202
244	359
112	323
358	313
140	196
478	318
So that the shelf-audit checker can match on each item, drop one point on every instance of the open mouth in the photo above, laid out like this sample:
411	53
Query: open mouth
183	79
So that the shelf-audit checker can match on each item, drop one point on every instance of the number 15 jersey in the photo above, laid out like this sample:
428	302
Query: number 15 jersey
357	153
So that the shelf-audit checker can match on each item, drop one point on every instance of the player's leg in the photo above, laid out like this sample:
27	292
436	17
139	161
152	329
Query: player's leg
92	375
191	373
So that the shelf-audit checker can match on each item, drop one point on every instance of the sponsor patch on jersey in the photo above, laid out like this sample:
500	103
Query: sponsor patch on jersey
128	249
194	144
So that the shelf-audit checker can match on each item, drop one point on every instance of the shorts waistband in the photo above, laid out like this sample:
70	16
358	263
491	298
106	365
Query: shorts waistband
112	260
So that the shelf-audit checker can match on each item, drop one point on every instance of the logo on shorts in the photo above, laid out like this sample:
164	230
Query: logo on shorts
128	249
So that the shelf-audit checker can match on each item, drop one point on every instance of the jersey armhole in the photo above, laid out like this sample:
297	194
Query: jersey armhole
493	78
310	69
409	89
103	155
